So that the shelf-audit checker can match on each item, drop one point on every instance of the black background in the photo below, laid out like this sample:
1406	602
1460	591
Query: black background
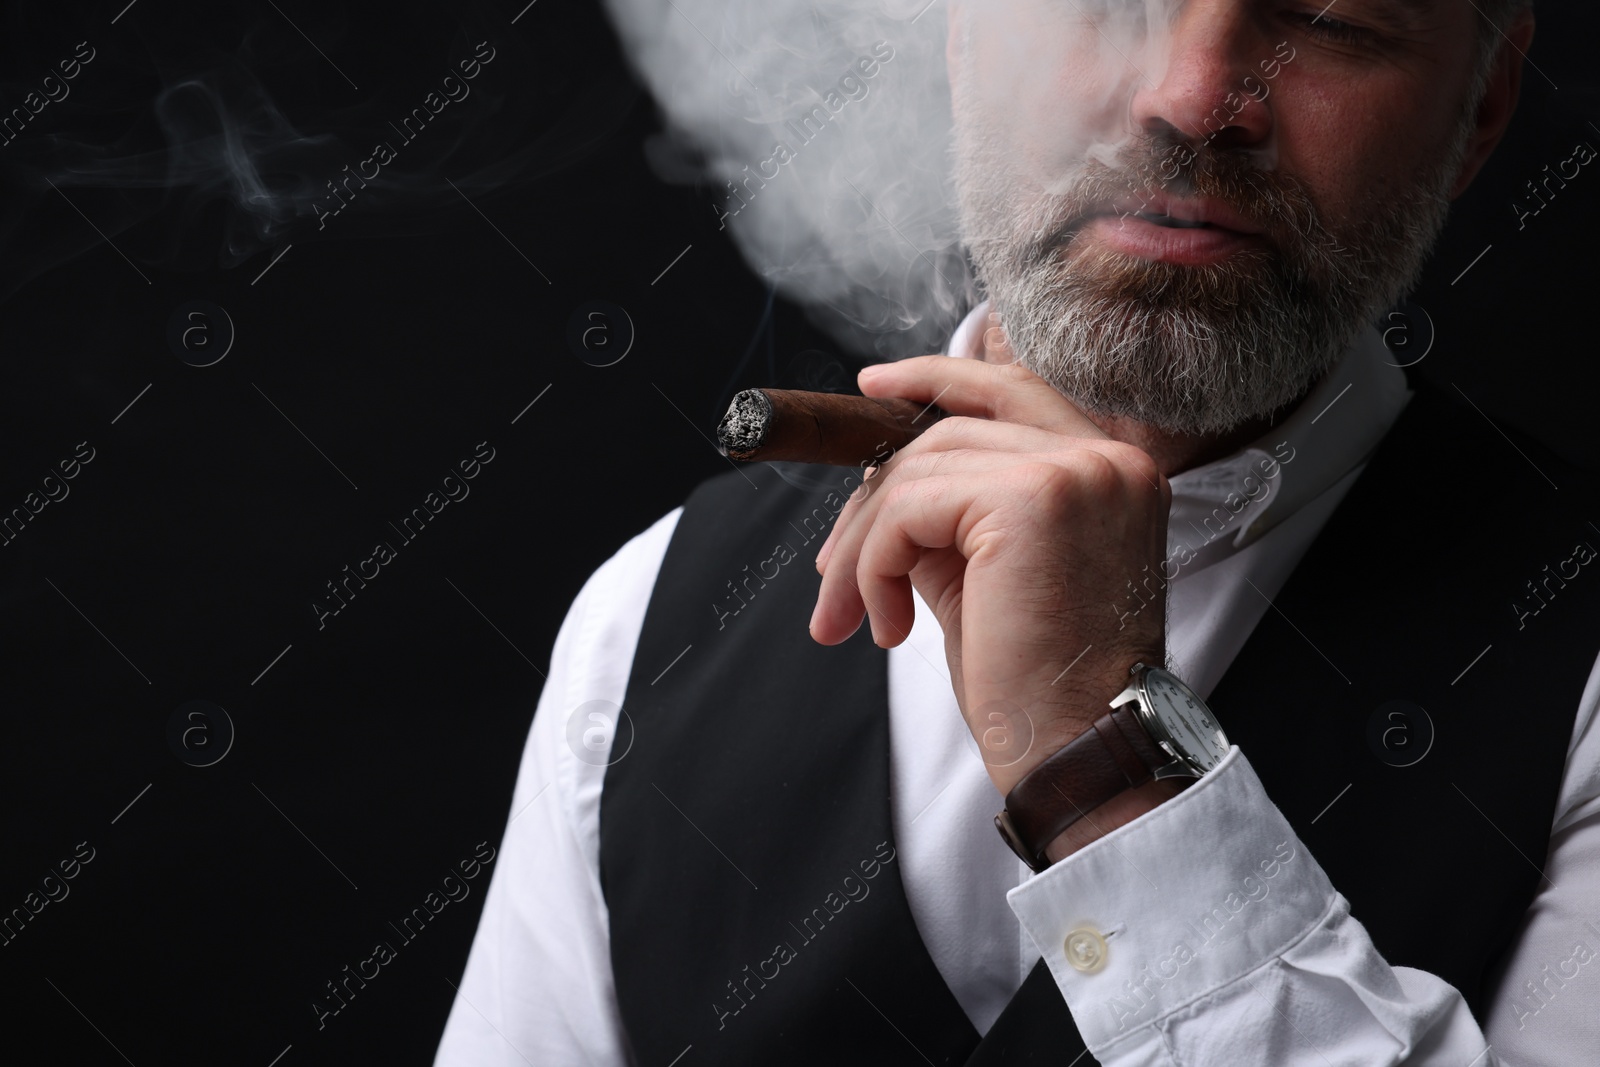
380	750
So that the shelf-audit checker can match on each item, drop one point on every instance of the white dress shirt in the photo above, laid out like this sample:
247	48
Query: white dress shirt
1285	976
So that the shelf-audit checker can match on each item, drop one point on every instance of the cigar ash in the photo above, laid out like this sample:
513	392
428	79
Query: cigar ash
743	428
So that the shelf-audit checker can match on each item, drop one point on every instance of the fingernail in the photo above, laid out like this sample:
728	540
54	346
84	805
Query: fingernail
870	370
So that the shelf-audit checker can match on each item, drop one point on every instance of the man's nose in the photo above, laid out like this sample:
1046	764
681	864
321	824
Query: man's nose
1206	80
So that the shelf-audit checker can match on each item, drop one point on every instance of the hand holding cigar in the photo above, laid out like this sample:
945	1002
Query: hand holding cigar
804	427
1016	525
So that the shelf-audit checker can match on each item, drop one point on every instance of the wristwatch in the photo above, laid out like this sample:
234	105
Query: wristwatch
1157	728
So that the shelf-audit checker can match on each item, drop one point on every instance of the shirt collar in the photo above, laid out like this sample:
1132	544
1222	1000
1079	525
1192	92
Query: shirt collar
1224	505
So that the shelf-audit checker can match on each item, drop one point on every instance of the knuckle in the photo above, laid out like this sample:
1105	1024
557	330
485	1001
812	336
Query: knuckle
920	465
929	464
946	430
1141	464
1050	480
898	495
1013	372
1096	472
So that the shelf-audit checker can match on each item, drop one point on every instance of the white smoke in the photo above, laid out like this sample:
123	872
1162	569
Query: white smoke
827	162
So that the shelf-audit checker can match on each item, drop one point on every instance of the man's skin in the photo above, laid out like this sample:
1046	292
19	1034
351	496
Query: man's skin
1021	522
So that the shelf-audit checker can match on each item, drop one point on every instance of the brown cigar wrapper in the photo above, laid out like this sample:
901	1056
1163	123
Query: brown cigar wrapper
834	428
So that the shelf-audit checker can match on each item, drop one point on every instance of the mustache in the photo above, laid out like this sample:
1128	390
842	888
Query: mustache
1275	203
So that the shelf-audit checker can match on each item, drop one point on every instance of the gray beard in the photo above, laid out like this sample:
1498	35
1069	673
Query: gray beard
1186	349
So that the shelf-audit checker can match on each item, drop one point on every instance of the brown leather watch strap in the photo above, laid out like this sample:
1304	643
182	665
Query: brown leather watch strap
1115	755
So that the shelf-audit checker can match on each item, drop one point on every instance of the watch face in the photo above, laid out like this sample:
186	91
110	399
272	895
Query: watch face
1186	720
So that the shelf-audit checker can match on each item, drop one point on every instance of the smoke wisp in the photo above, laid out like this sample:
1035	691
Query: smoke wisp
822	130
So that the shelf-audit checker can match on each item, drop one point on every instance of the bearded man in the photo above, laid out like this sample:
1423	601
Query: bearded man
1227	627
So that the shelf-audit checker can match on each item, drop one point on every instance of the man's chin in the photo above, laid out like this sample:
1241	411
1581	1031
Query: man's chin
1176	365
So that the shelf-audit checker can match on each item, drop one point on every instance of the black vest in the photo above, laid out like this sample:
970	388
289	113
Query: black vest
746	851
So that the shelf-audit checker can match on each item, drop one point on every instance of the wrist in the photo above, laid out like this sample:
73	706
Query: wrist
1070	711
1158	737
1118	811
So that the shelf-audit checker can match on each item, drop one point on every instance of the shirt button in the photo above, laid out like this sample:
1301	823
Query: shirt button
1086	950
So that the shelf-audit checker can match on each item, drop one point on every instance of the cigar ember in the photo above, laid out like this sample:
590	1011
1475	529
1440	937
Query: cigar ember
797	426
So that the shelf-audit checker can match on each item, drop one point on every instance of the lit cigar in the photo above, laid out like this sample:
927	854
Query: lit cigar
803	427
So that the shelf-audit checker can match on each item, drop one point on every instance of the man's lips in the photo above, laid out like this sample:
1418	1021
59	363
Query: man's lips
1187	231
1176	212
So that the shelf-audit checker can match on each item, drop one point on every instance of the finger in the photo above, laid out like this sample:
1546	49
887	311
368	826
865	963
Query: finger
921	519
1007	392
840	601
960	433
918	460
991	549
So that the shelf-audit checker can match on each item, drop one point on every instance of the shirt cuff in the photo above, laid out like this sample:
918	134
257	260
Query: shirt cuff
1184	900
